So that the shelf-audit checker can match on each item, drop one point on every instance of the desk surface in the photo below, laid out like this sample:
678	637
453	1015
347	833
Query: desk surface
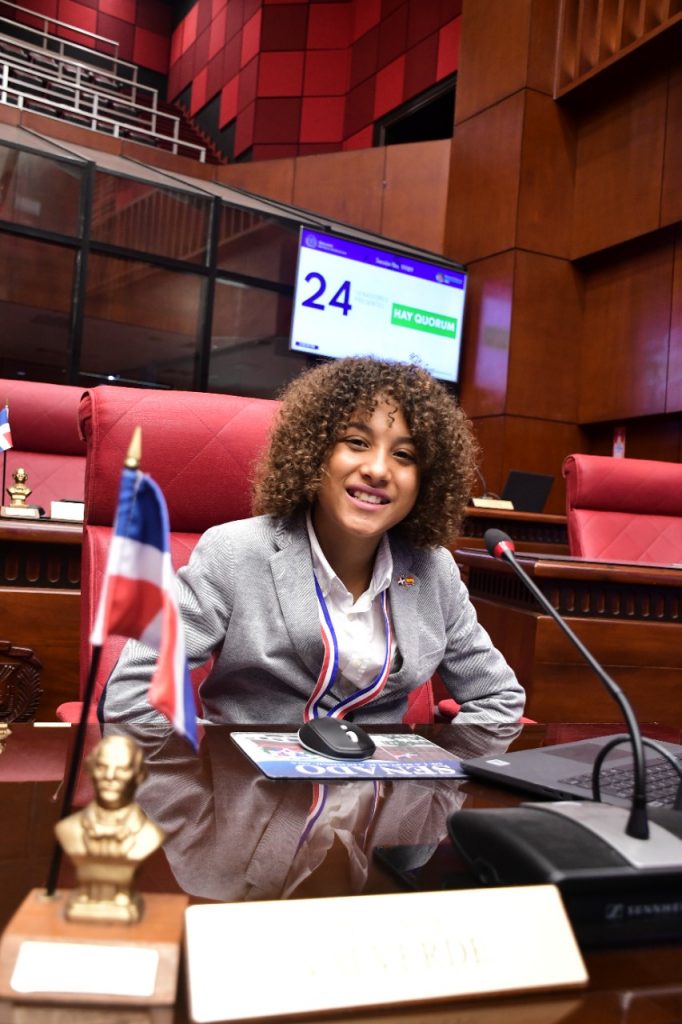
234	835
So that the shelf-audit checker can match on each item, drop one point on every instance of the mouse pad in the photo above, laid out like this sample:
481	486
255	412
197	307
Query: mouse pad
279	755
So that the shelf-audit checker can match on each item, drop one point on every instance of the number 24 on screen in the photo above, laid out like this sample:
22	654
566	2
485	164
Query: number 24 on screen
340	298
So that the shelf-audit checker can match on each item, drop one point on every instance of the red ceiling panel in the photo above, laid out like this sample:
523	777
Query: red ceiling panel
123	9
250	39
284	27
228	102
366	14
151	50
277	120
322	119
359	107
198	92
217	34
448	48
122	31
389	92
243	135
392	37
420	66
154	15
248	84
280	73
326	72
329	26
364	56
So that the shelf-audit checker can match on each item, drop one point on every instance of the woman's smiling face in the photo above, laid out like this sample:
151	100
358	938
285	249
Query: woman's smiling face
371	479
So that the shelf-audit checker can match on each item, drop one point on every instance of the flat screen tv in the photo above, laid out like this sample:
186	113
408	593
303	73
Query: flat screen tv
354	299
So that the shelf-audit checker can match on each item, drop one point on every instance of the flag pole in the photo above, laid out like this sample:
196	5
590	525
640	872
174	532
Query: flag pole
132	461
4	463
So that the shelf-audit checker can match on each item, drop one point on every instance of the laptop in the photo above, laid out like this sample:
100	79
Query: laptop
527	492
564	771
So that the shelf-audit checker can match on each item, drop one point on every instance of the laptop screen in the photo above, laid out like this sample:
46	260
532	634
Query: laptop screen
527	492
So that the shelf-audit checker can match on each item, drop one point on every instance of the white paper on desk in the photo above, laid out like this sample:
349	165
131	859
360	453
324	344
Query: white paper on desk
90	969
269	958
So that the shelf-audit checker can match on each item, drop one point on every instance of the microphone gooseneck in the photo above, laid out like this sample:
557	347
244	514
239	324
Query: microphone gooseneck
501	546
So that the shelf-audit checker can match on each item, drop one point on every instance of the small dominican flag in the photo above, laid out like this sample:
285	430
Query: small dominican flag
139	599
5	432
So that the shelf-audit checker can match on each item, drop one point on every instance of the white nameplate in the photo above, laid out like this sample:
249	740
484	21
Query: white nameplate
362	951
20	512
502	504
85	968
73	511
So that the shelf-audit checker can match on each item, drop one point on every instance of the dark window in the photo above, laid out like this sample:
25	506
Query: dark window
431	115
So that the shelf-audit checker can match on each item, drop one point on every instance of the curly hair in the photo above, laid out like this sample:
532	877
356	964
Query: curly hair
316	407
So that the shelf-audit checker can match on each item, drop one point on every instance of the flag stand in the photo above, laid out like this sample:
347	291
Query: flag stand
74	768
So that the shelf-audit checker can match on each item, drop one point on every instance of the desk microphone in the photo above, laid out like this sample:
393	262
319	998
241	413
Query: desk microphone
619	870
499	545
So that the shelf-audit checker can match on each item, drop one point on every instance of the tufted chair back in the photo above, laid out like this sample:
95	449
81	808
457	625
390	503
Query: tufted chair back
624	509
199	448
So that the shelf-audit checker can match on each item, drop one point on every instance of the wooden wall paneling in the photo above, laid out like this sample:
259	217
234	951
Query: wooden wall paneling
626	333
483	192
347	186
642	657
544	368
648	437
540	446
500	31
619	163
167	161
671	198
9	115
271	178
547	177
67	132
544	26
530	445
673	401
489	431
487	330
415	193
47	622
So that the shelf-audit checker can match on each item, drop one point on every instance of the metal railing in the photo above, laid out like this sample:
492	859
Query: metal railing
47	21
107	78
86	106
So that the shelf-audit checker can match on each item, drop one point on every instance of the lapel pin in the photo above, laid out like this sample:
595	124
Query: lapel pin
405	581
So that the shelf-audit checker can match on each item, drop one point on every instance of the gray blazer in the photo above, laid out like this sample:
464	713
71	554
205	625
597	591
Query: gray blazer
247	595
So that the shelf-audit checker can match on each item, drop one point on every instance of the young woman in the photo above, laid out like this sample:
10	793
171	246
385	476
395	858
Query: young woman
338	596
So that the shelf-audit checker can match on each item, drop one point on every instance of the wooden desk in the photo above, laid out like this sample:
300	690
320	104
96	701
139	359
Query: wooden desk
628	616
530	531
234	836
40	573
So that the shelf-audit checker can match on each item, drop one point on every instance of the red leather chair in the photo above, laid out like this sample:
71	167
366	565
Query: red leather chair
200	449
624	509
44	423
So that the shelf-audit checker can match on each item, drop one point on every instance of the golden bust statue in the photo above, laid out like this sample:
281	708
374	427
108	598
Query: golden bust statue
108	840
19	492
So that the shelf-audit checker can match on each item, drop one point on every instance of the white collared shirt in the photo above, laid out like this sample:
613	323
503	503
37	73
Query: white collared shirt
359	626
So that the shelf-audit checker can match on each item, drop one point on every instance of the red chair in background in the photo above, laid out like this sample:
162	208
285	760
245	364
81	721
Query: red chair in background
627	510
44	424
200	449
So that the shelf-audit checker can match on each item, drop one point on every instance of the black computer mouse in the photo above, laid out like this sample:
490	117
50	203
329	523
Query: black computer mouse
332	737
